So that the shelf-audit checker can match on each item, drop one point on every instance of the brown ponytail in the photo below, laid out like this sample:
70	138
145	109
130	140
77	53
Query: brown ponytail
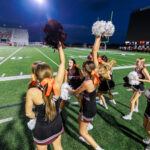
43	71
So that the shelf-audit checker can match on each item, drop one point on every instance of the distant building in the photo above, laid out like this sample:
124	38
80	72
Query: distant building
14	36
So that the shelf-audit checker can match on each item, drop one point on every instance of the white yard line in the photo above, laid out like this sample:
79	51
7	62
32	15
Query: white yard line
11	55
6	120
18	77
28	76
115	93
126	67
129	90
46	56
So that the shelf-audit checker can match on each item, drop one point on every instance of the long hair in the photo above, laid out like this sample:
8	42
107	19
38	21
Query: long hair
33	68
89	67
143	60
43	71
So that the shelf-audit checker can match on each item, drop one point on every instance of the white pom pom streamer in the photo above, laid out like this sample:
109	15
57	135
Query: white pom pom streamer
109	29
147	93
31	124
103	28
133	76
98	28
65	94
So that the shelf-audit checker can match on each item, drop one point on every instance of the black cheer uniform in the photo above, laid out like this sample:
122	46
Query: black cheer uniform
106	85
89	108
139	87
46	131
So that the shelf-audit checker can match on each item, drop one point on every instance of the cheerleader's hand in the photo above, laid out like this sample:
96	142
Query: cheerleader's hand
70	91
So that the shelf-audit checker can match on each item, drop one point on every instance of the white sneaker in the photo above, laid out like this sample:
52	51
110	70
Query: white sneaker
127	117
113	101
99	102
136	109
89	127
146	140
99	148
105	106
147	148
83	140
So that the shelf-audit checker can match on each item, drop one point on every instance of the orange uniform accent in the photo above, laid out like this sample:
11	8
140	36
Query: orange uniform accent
33	79
100	60
51	86
96	79
76	65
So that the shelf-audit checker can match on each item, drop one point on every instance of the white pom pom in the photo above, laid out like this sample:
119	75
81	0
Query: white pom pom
31	124
109	29
98	28
65	94
147	93
133	76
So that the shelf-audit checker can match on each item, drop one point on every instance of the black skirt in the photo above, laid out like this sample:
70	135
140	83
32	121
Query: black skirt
46	132
106	85
139	88
89	108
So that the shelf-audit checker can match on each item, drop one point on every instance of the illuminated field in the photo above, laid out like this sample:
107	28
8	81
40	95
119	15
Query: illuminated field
110	130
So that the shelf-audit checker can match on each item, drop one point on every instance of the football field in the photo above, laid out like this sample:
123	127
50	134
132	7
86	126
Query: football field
110	131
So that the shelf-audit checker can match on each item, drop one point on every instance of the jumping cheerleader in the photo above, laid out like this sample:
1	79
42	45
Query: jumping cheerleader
88	109
137	89
45	98
74	77
107	85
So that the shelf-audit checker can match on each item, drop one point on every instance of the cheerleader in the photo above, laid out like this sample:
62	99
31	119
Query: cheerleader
74	78
137	89
88	109
107	85
103	70
45	98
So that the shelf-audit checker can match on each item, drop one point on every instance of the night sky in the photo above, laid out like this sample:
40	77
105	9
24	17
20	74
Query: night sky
77	16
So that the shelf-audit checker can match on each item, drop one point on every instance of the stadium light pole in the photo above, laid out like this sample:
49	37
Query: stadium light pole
40	2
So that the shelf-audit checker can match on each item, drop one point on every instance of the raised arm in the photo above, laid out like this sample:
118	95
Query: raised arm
95	50
61	70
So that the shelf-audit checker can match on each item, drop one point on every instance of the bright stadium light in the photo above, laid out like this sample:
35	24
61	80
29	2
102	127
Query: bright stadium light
40	1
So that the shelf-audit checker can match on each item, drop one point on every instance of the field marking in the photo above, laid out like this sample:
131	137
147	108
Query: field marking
3	75
18	77
28	76
6	120
126	67
129	90
46	56
115	93
11	55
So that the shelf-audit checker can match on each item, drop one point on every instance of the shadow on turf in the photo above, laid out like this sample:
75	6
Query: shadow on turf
125	130
69	125
27	133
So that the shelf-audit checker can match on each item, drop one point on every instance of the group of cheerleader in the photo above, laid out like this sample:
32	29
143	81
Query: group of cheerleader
44	95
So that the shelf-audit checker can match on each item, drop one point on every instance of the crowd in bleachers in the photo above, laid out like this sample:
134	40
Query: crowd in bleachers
140	48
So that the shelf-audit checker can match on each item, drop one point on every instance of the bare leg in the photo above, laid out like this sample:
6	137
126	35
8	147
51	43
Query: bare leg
136	95
110	95
41	147
62	103
57	144
84	133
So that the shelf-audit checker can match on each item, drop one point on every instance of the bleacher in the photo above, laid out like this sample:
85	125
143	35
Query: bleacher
17	37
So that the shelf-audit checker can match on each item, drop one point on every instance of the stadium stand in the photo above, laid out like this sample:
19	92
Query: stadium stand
14	36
